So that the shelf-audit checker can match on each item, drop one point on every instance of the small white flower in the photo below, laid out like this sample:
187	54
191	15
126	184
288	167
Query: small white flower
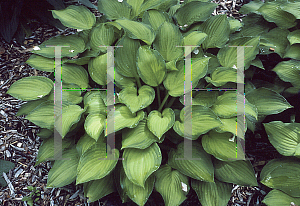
36	48
184	187
71	51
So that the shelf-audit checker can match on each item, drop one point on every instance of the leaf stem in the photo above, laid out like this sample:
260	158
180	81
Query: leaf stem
158	96
170	102
163	102
138	82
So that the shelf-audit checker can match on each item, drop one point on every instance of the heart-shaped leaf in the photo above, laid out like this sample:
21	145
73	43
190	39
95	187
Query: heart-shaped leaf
285	137
293	52
155	18
151	66
293	37
85	142
102	35
291	7
203	120
282	174
278	198
98	69
172	185
139	164
122	81
114	9
41	63
204	98
233	125
160	5
135	103
201	169
75	74
29	106
139	137
195	38
93	102
223	75
212	193
76	17
235	24
159	123
250	7
94	125
238	172
31	88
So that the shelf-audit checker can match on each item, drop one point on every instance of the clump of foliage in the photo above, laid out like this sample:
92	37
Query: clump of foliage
149	100
34	196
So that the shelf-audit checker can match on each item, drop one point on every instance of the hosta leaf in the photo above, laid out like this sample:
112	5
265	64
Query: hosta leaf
272	12
41	63
194	38
151	66
203	120
5	167
136	6
46	150
223	75
102	35
292	7
193	12
162	5
174	82
71	96
94	160
94	103
170	184
293	37
257	62
238	172
125	118
94	125
226	105
228	56
252	6
285	137
63	171
72	46
235	25
293	52
139	137
204	98
199	69
278	198
267	101
217	29
126	57
233	125
96	189
155	18
282	174
113	9
201	169
171	66
212	193
136	193
137	30
136	102
76	17
289	71
221	146
28	107
122	81
31	88
84	143
44	133
75	74
98	69
167	39
139	164
159	123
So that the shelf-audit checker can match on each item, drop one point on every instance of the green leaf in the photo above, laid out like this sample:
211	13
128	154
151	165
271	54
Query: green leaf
293	52
201	169
212	193
162	5
30	106
221	145
98	69
167	39
94	160
285	137
139	164
217	29
226	105
155	18
193	12
126	57
204	98
232	125
294	37
257	62
228	55
139	137
151	66
136	6
137	30
63	171
41	63
113	9
203	120
123	82
238	172
235	25
96	189
223	75
31	88
123	117
84	143
94	125
195	38
136	102
159	123
272	12
72	46
282	174
289	71
46	150
267	101
172	185
75	74
199	69
291	7
102	35
278	198
5	166
76	17
252	6
93	102
45	133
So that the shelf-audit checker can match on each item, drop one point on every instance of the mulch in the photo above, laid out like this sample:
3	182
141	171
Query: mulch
19	142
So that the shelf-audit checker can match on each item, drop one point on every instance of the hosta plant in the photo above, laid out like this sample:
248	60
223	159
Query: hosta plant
149	109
